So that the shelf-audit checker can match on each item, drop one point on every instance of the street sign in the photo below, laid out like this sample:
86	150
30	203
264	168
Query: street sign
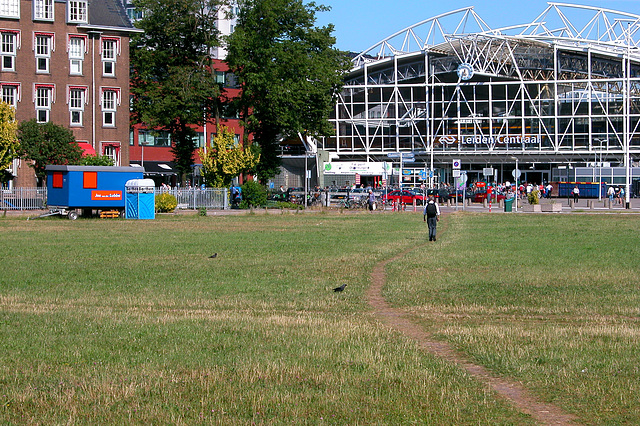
456	164
456	173
423	175
406	156
513	173
487	171
463	177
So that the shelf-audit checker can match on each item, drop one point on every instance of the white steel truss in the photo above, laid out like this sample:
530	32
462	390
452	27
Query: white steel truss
558	89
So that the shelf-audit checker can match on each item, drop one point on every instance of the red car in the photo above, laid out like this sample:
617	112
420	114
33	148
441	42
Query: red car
404	196
480	196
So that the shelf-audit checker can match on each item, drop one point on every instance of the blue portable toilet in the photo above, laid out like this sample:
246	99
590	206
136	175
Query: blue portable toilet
141	201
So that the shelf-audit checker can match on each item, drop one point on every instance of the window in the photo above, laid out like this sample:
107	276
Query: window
154	138
76	55
112	150
44	97
134	14
109	108
10	94
77	11
10	8
8	52
43	10
77	97
44	44
58	180
109	51
198	139
90	180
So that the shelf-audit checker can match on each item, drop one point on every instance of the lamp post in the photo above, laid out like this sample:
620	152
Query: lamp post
516	175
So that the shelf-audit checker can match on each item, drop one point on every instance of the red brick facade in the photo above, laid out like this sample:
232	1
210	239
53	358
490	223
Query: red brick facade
72	73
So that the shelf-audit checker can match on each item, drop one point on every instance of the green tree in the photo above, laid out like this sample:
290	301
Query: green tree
47	143
96	160
289	71
8	138
226	159
173	82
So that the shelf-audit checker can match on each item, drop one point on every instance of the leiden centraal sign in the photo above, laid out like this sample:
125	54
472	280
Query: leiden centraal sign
489	141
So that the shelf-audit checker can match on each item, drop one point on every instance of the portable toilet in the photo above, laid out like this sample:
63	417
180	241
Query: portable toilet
141	202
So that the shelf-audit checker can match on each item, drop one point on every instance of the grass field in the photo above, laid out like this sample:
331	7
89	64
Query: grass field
115	321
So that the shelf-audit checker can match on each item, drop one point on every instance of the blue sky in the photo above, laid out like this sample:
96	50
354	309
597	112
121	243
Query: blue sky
359	24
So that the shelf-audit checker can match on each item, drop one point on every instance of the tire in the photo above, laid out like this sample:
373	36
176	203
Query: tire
72	215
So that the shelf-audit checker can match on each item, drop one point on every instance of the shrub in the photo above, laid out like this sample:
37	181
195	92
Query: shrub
166	203
253	195
288	205
534	197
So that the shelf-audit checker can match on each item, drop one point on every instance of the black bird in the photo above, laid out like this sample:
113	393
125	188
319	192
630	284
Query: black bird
340	288
213	256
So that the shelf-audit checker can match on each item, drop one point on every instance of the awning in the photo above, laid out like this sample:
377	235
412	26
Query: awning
156	168
88	149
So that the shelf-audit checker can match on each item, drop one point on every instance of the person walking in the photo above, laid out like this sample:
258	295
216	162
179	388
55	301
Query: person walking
576	194
432	216
372	200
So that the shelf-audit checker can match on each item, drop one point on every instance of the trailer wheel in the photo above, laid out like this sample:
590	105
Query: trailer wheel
72	215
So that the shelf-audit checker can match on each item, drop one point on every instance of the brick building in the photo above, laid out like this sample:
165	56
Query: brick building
67	61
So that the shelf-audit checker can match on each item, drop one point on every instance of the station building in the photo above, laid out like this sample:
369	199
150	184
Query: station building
559	97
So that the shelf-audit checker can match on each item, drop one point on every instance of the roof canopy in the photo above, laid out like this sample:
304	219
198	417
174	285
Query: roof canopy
568	25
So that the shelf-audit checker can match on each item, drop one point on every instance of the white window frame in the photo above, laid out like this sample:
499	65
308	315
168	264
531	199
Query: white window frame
111	150
43	46
77	99
76	54
109	52
109	104
77	11
10	8
8	50
43	10
43	100
10	93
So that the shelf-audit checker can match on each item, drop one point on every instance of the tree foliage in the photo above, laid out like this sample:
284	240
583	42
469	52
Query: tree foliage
8	136
173	82
226	159
96	160
47	143
289	72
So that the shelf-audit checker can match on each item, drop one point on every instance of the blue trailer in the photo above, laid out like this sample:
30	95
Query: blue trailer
71	189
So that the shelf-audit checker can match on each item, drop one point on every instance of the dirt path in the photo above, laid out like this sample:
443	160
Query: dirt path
396	318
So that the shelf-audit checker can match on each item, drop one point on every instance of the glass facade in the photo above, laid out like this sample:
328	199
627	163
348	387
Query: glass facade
488	95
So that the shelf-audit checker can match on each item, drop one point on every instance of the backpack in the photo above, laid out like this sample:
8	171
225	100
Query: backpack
431	210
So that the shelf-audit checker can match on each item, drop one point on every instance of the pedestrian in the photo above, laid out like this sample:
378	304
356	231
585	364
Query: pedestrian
611	192
576	194
432	216
372	200
549	189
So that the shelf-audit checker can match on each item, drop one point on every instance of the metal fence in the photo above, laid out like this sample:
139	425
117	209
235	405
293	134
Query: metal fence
23	199
209	198
36	198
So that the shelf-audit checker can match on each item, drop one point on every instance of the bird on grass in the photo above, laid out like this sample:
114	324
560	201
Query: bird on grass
213	256
341	288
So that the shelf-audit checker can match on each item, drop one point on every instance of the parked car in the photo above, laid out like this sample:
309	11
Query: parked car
404	196
459	194
441	195
480	196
